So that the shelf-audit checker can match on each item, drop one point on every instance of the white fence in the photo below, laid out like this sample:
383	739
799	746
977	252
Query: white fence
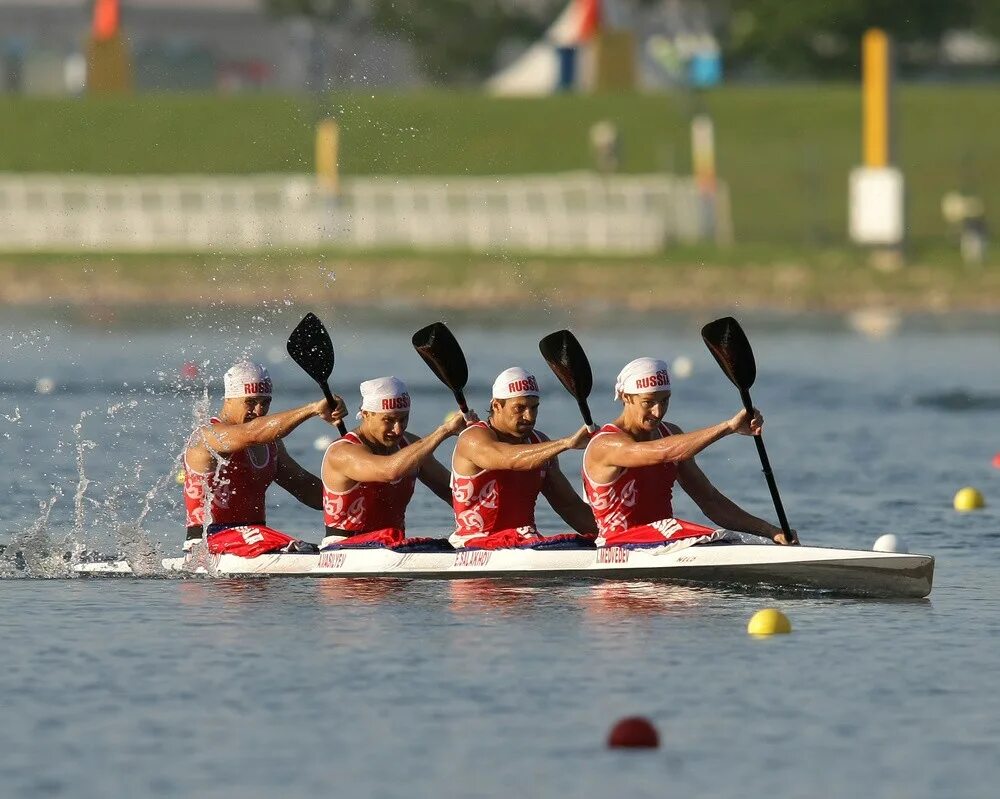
574	212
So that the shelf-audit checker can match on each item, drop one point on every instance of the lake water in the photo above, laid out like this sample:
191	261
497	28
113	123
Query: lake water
384	688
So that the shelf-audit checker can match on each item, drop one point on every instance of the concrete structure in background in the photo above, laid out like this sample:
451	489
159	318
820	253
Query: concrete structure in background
229	45
566	213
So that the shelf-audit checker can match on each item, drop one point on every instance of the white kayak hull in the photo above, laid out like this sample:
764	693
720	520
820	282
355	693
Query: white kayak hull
842	571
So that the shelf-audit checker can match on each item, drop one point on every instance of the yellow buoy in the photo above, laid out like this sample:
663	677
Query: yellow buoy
969	498
179	477
769	621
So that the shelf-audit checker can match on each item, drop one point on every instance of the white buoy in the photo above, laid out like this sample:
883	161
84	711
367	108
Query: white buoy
44	385
682	367
322	443
890	542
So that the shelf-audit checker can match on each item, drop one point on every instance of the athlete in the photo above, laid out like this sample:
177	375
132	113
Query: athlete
631	465
230	463
369	474
501	465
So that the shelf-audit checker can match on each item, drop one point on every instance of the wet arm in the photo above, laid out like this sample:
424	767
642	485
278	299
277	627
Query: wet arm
358	464
224	439
485	452
437	478
567	503
717	506
622	452
297	481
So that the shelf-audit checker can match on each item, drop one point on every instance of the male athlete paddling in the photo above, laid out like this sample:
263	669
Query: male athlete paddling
501	465
631	465
369	475
230	463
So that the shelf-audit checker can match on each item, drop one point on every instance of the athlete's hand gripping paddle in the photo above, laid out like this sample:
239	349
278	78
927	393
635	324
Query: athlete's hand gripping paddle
726	340
441	352
567	360
311	348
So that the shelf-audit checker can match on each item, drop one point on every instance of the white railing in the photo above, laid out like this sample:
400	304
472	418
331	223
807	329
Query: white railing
574	212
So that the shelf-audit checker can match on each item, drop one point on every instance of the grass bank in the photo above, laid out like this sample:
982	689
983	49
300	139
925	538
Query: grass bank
785	151
747	277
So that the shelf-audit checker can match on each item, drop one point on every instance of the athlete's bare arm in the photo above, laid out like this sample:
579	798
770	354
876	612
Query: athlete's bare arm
612	452
359	465
566	502
436	477
479	450
224	439
721	509
297	481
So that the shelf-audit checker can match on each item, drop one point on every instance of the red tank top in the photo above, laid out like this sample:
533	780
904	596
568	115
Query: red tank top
236	489
368	506
496	499
639	495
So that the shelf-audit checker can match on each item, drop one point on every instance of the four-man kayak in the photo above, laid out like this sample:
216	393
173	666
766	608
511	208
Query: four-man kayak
847	572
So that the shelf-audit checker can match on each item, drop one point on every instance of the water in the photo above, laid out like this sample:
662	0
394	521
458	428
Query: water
181	687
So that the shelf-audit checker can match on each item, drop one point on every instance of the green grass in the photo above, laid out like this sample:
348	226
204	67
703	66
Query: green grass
785	152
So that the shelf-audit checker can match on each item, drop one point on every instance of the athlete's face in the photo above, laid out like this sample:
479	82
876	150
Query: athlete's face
515	416
647	410
386	428
246	409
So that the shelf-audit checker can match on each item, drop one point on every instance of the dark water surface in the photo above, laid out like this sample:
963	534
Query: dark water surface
264	688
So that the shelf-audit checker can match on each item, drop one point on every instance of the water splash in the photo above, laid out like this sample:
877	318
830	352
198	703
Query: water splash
82	445
31	553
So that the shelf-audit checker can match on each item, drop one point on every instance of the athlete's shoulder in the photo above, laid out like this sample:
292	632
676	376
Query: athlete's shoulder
478	431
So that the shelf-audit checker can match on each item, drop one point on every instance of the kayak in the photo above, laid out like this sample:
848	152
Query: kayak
848	572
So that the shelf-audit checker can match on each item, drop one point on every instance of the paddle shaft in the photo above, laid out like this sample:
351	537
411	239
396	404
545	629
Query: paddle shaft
323	384
766	467
585	413
463	406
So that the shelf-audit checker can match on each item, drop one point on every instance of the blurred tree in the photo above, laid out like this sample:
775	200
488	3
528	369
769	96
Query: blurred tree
823	37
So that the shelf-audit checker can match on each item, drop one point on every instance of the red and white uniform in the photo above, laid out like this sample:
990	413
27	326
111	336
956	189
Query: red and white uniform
233	493
636	507
495	508
376	511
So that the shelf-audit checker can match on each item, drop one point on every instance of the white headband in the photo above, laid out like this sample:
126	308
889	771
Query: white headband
247	379
642	376
384	395
515	382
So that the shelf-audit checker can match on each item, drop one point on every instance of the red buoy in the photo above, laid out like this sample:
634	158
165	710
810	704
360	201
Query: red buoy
635	732
996	461
189	371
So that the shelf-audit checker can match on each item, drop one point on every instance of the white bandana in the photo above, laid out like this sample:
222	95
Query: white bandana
247	379
384	395
515	382
642	376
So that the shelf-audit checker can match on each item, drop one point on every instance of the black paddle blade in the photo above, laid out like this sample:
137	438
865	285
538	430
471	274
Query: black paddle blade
567	360
728	343
311	348
441	352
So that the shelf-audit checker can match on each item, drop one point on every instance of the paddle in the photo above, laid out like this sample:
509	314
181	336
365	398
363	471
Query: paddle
441	352
726	341
311	348
567	360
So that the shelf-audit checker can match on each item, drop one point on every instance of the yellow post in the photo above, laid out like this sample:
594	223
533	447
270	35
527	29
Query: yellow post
327	155
876	89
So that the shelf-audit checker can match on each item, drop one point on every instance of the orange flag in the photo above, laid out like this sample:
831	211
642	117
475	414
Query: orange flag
106	19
